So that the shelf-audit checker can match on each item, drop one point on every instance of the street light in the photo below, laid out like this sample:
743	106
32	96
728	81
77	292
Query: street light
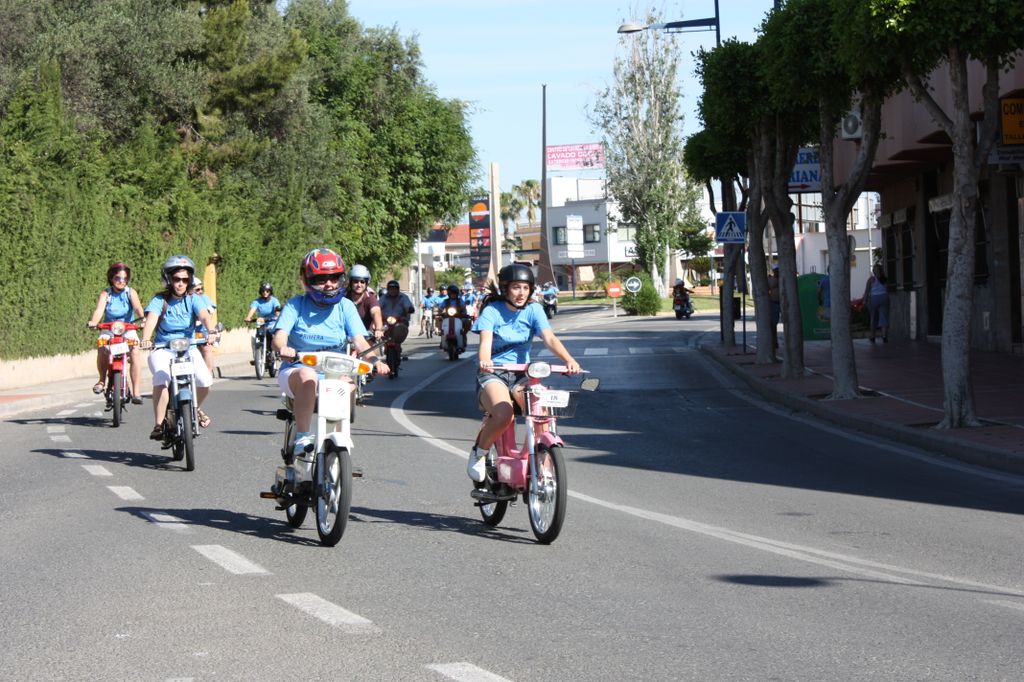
682	26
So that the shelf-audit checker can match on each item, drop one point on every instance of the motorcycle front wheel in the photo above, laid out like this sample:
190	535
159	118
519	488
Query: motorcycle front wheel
258	361
334	499
271	364
185	437
546	505
116	388
393	357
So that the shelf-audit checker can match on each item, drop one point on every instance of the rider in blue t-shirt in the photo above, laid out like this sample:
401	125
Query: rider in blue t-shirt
264	307
320	319
118	302
507	325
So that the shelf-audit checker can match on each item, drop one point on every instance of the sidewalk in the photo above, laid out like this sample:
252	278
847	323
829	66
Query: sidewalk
905	397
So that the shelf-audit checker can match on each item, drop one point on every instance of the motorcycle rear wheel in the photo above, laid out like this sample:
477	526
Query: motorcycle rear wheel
116	388
334	501
492	513
546	505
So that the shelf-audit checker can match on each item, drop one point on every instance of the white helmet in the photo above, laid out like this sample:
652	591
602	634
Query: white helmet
359	272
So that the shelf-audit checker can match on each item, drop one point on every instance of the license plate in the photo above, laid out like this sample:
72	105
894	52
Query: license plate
678	307
554	399
180	369
118	349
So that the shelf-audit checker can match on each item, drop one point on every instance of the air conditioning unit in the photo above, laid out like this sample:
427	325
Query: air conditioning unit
851	128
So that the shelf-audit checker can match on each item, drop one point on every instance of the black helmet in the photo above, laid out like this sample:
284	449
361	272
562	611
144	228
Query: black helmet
265	286
394	283
516	272
452	290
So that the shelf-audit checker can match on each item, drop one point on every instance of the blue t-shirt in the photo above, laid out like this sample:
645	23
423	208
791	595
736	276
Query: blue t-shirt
513	330
119	306
180	318
311	327
553	291
265	308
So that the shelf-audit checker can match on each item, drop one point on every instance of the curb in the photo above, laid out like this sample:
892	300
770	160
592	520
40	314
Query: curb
952	448
77	394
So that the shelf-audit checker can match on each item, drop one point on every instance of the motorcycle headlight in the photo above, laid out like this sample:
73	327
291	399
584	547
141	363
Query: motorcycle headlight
342	364
178	345
538	370
117	328
451	312
391	319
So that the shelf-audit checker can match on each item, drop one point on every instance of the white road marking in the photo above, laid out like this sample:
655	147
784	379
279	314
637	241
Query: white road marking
60	438
167	522
66	413
595	351
70	454
419	356
1008	604
56	428
81	405
97	469
332	614
230	561
466	672
683	349
125	493
641	351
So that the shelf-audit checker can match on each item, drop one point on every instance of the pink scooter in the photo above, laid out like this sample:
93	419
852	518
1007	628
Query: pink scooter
535	470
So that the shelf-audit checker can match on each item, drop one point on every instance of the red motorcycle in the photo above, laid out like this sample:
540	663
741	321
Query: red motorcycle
118	392
393	344
681	304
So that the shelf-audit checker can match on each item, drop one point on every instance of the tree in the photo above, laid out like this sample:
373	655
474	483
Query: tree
826	75
641	123
935	40
528	192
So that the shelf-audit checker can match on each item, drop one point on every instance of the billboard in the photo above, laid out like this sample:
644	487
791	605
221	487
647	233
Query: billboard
480	236
587	156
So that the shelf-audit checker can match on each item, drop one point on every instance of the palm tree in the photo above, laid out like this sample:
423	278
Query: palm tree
529	192
511	207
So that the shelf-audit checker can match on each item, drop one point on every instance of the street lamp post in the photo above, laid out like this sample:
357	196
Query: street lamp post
681	26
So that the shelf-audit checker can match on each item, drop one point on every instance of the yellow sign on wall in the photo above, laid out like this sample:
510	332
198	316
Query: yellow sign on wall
1013	120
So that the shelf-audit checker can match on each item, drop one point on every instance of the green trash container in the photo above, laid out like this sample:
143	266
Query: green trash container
816	326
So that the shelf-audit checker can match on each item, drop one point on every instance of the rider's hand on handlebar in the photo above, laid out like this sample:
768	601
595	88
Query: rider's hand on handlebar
288	353
91	325
486	366
573	367
145	344
382	368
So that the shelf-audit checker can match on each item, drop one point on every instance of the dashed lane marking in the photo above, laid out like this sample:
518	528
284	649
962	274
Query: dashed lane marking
66	413
466	672
97	469
71	454
81	405
330	613
230	561
641	351
419	356
595	351
125	493
1017	606
167	522
56	428
60	438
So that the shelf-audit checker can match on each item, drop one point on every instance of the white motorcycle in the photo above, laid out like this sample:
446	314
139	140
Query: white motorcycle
452	327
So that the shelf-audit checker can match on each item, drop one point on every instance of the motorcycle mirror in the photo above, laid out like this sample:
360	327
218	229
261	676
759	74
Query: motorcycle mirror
398	333
590	384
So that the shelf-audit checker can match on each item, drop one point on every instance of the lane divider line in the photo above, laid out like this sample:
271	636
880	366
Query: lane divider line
97	469
330	613
167	522
125	493
229	560
465	672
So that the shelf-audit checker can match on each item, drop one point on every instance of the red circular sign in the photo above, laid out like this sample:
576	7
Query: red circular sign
614	290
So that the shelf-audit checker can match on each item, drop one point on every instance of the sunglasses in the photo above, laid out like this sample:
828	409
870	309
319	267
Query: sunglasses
197	289
359	281
120	279
324	279
181	280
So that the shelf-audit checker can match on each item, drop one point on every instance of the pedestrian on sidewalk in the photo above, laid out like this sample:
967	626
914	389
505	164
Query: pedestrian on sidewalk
876	295
776	304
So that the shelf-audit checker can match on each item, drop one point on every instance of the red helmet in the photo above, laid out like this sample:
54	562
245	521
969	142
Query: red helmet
320	262
116	268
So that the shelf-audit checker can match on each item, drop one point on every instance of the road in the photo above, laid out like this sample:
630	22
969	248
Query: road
709	536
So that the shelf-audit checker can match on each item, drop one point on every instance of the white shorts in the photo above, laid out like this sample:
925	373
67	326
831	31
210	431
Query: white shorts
160	366
285	372
130	334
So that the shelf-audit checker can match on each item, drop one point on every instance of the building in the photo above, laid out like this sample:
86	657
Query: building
913	175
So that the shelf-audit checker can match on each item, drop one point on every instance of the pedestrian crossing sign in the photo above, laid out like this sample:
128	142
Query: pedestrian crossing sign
731	227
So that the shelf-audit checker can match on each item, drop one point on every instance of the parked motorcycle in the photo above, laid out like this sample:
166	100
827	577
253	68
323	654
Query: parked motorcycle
264	357
682	305
118	346
181	426
536	469
452	323
324	470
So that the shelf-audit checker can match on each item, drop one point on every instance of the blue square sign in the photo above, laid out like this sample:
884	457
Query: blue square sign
731	227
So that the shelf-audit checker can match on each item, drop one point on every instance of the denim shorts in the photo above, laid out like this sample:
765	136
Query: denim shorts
509	379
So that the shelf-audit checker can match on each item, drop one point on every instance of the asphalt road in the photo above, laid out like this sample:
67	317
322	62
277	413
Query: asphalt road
708	537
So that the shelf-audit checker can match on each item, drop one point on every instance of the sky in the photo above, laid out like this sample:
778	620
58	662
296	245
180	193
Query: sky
496	54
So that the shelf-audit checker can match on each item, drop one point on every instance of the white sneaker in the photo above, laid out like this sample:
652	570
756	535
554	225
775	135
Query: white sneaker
476	467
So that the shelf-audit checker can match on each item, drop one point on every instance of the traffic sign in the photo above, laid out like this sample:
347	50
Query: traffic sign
614	290
633	285
806	175
731	227
574	236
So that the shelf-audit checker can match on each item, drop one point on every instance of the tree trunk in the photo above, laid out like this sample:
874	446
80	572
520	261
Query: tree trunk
731	253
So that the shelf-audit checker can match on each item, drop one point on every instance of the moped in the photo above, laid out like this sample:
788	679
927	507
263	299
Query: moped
181	426
536	469
119	392
264	358
452	323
